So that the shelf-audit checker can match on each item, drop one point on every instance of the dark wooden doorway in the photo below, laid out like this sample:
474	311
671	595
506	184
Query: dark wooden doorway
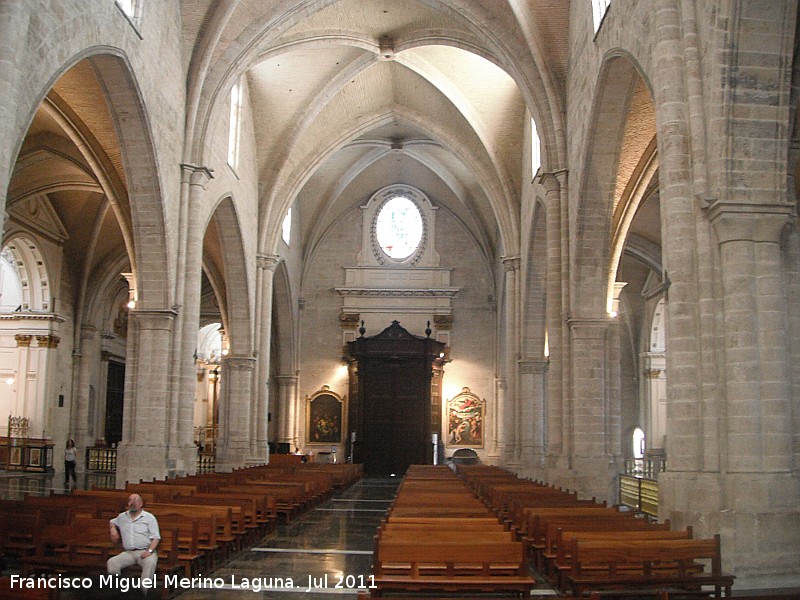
390	400
115	392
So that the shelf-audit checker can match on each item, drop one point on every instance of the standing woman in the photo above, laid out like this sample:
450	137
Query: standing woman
70	460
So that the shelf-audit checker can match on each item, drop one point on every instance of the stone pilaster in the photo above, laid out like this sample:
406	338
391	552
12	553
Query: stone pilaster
266	265
533	392
81	410
511	418
143	452
288	410
588	432
556	386
235	413
181	417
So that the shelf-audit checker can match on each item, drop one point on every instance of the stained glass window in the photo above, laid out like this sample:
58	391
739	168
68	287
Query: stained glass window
398	228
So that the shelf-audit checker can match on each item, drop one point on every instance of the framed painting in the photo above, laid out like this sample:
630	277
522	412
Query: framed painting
465	420
325	413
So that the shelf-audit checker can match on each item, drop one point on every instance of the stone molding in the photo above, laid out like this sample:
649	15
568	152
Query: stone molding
268	262
746	221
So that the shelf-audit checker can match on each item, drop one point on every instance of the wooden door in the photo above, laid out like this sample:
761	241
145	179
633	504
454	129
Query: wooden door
115	391
397	415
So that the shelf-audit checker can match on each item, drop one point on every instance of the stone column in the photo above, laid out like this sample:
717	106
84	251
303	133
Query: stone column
48	343
758	415
588	434
653	409
182	450
235	410
500	442
266	265
554	407
511	418
533	391
143	451
81	412
288	410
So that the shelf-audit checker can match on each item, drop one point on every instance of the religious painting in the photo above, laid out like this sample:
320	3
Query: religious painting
465	419
324	415
35	457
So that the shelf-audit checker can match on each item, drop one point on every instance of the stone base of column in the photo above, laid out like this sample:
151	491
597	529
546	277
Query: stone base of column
756	514
232	457
137	463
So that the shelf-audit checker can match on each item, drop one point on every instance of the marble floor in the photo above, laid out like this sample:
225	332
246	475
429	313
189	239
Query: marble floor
326	554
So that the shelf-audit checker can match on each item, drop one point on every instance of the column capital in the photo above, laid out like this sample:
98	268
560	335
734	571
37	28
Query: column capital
510	263
533	366
747	221
23	339
553	180
239	363
588	328
153	318
196	174
268	262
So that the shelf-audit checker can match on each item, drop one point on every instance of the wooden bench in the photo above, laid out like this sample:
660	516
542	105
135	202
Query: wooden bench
83	548
664	564
560	566
555	526
19	592
451	567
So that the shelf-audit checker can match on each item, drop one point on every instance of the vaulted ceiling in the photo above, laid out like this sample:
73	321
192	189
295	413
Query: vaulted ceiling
349	96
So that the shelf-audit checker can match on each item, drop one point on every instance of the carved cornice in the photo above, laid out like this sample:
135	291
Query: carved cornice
29	316
398	293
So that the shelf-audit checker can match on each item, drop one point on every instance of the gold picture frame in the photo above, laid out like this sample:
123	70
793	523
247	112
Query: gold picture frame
464	420
326	413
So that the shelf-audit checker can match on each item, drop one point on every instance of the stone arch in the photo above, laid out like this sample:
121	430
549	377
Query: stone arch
229	277
601	226
138	189
33	272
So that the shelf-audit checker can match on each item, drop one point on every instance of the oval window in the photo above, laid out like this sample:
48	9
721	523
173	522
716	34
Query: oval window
398	228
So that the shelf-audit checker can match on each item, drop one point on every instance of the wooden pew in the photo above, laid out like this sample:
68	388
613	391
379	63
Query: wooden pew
23	593
84	548
675	564
556	526
451	567
561	565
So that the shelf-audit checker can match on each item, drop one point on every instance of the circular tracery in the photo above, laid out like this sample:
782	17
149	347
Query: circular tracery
399	228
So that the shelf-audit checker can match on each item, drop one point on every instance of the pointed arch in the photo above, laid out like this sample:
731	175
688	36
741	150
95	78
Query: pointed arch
225	264
614	171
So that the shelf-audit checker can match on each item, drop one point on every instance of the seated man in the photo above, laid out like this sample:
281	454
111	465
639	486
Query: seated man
140	536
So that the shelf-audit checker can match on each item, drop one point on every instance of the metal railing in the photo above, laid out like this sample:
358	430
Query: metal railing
101	459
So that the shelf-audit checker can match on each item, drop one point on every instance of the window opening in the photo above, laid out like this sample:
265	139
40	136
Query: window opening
599	9
234	133
399	228
536	155
286	228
